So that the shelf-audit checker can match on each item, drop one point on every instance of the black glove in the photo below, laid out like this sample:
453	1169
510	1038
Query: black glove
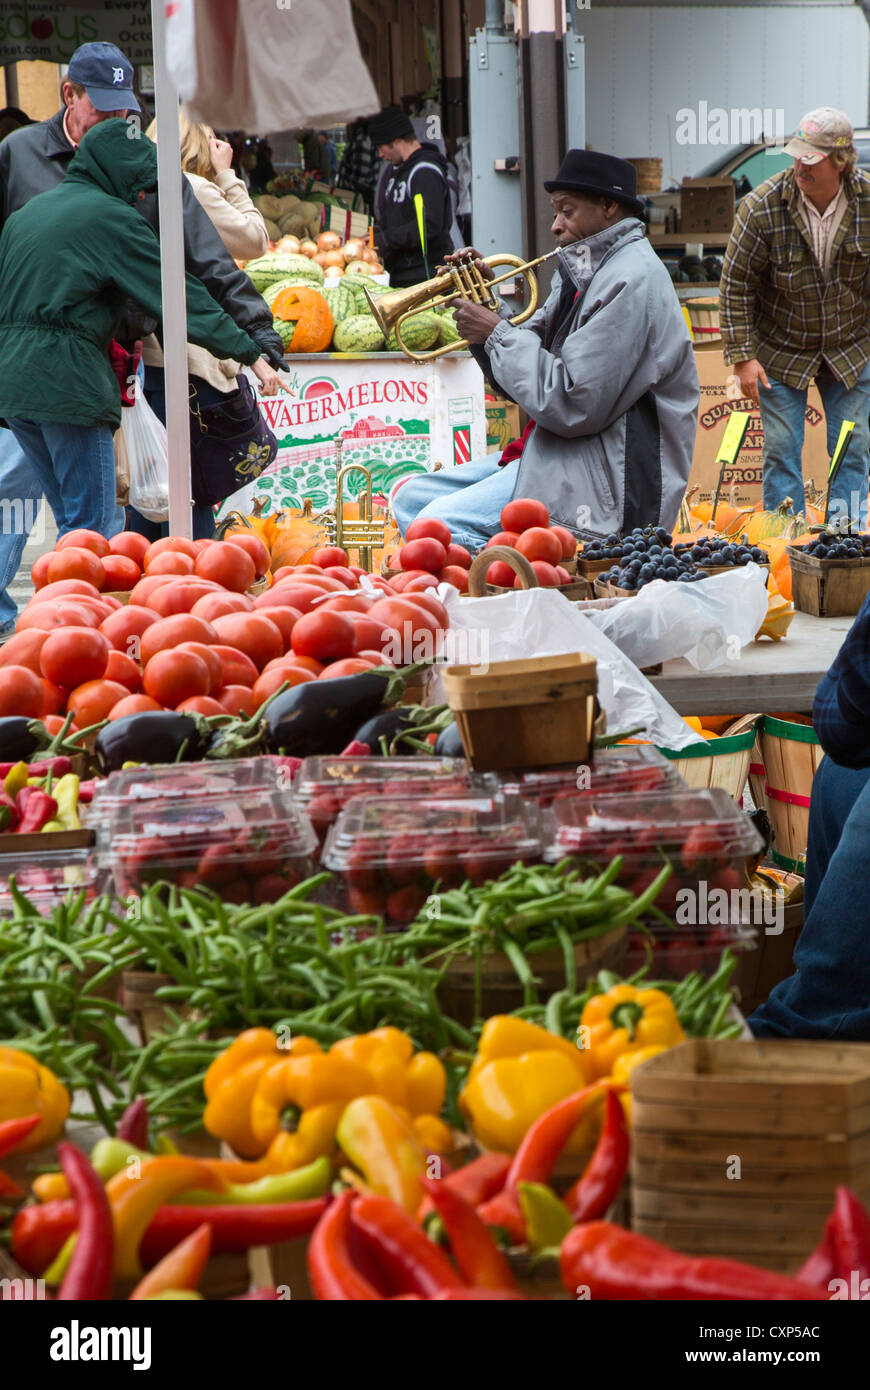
270	342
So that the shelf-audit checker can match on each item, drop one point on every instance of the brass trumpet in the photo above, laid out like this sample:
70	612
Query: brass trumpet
463	281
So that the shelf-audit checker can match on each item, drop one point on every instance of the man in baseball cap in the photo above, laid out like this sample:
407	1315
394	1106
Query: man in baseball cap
819	132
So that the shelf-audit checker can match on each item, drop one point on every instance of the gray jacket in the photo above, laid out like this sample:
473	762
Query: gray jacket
614	395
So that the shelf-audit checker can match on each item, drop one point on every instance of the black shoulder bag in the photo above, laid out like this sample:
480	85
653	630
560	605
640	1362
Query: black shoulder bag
230	444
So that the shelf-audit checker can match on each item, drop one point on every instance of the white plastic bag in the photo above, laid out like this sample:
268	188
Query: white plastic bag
706	623
538	622
148	456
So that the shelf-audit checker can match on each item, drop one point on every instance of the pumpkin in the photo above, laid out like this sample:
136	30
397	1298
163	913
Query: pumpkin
778	617
296	536
782	521
257	521
310	312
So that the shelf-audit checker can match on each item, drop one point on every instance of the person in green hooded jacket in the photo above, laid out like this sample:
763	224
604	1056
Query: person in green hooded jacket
69	260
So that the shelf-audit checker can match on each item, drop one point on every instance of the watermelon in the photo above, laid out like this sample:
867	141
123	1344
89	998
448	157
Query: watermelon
270	294
285	331
448	332
342	302
277	265
359	333
419	333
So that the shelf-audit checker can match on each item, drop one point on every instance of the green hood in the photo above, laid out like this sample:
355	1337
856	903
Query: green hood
117	157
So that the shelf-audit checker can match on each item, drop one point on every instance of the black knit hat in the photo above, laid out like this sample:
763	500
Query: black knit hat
389	125
587	171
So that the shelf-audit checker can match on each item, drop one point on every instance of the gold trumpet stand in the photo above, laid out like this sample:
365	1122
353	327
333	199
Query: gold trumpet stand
364	535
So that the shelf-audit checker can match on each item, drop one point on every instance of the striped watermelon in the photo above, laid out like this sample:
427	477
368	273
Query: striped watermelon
342	302
277	265
448	332
419	333
359	333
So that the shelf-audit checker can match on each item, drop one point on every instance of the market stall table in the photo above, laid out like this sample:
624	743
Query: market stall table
765	677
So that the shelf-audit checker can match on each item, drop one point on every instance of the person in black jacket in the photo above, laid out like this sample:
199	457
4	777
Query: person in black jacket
415	169
99	85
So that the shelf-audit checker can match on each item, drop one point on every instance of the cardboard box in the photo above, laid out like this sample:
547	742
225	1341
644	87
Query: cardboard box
713	412
502	423
707	205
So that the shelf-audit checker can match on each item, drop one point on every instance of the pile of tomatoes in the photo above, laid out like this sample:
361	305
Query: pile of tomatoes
526	528
192	637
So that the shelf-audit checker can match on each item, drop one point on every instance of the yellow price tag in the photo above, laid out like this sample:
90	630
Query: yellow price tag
732	439
842	445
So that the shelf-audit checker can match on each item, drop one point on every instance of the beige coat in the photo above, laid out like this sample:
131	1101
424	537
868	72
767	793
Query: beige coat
243	232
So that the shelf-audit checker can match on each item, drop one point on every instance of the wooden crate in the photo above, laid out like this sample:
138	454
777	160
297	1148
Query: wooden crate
794	1115
529	713
827	588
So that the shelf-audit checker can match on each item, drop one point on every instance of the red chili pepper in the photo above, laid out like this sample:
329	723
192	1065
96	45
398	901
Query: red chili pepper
87	790
821	1266
475	1295
133	1124
9	1187
89	1275
59	766
38	1233
410	1260
232	1228
851	1237
37	809
596	1190
356	749
14	1132
480	1261
332	1269
612	1263
476	1181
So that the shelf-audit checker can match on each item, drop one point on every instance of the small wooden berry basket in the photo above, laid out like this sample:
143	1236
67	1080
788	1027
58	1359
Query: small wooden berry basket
578	591
827	588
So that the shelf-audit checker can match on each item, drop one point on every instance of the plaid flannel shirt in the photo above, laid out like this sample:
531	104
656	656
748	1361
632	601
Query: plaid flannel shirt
841	709
775	303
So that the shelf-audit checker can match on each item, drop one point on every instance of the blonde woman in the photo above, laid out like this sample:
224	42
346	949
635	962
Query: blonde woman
206	162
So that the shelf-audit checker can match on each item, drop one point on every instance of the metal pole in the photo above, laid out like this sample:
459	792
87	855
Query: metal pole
10	77
172	268
542	121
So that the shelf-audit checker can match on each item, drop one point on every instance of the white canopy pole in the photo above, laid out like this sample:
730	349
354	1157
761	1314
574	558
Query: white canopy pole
174	300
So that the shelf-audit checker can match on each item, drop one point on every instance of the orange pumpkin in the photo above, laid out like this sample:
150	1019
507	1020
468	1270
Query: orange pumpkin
310	312
296	536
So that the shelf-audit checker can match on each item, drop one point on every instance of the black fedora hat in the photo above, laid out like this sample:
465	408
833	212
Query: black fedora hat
588	171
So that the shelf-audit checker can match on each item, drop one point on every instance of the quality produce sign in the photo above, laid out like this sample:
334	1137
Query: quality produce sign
50	32
393	416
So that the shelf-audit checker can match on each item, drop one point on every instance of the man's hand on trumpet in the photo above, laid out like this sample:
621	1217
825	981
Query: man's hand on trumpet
473	321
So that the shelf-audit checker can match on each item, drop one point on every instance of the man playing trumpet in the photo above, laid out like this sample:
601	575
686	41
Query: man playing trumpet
604	370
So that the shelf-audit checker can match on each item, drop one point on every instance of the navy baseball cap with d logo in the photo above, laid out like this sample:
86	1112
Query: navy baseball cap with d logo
105	74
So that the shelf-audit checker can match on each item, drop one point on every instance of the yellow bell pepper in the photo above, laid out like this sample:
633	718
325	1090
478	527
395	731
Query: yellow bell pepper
426	1084
28	1088
300	1084
626	1020
503	1098
231	1081
435	1136
626	1064
313	1137
506	1036
381	1143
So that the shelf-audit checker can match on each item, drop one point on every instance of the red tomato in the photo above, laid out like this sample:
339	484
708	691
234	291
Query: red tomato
93	702
214	665
545	574
567	541
457	576
285	619
121	573
55	722
180	595
348	603
236	699
238	668
458	555
564	576
424	598
429	527
292	570
171	677
503	538
226	564
51	615
501	574
424	554
272	680
124	670
255	548
147	587
325	636
131	545
201	704
108	599
368	632
73	655
325	583
401	581
97	606
84	540
21	692
377	658
201	544
217	605
286	572
24	649
169	543
125	626
252	634
540	543
345	576
350	666
170	632
54	698
523	513
413	631
357	570
133	704
306	663
38	571
329	555
64	588
420	583
299	596
74	562
169	562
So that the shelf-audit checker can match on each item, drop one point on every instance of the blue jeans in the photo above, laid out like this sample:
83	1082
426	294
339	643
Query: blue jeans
468	499
75	467
782	414
829	996
20	507
203	517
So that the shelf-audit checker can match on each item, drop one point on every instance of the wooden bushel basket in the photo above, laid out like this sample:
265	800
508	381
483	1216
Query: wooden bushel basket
577	591
827	588
723	762
790	754
529	713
